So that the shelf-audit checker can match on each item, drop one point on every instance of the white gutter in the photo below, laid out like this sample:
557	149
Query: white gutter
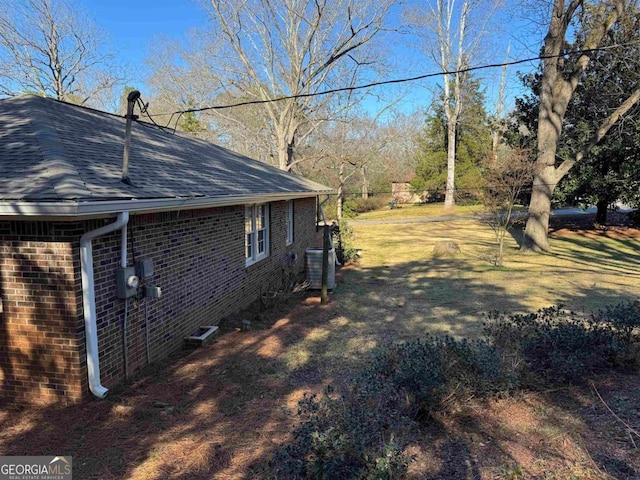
104	207
89	298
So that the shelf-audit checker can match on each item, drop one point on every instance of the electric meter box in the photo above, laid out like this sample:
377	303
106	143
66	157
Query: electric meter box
126	282
144	268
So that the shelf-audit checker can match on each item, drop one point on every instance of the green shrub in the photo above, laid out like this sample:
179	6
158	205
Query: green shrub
561	346
343	241
375	202
413	368
392	464
329	207
351	437
623	317
363	434
634	218
473	367
351	207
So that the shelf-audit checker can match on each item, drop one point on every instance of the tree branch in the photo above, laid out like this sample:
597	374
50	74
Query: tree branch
605	126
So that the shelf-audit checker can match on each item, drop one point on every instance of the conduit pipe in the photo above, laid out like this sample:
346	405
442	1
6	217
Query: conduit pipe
123	264
89	297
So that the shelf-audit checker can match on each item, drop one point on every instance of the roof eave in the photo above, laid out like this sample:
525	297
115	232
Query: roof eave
92	209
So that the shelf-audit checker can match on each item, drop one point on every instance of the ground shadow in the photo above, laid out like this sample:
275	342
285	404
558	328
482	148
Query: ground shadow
459	461
229	404
222	411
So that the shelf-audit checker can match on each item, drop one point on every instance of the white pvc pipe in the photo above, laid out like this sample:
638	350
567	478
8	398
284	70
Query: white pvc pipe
89	298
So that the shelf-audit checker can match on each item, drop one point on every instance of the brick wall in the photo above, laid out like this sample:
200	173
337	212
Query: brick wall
199	264
41	331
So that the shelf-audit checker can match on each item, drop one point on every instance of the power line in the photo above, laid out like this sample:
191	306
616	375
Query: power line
386	82
143	109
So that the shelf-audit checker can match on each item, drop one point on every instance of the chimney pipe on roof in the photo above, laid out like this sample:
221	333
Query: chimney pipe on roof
131	101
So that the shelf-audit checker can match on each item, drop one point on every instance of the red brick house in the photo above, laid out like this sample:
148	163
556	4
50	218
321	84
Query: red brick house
215	225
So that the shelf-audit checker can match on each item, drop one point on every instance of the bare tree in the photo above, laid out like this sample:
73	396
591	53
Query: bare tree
498	127
400	134
561	74
353	141
507	174
50	48
348	145
453	32
265	49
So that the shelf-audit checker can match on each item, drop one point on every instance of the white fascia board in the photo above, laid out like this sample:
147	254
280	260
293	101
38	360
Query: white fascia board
106	207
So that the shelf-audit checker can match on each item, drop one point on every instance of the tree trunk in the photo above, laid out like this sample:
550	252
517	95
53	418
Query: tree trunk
340	192
559	82
365	184
281	144
285	143
499	128
555	94
535	235
449	198
601	214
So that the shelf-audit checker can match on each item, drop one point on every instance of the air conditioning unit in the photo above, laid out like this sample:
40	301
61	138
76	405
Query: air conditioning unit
314	268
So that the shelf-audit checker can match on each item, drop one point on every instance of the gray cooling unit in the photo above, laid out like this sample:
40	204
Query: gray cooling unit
314	268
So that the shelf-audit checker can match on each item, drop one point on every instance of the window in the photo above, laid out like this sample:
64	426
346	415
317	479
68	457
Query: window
256	229
289	222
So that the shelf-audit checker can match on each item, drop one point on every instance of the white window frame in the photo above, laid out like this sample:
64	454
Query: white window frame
289	222
256	246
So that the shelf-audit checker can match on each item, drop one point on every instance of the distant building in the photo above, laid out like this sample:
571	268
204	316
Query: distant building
401	192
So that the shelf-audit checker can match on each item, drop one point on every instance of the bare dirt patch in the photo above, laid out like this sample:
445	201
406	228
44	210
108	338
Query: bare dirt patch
561	434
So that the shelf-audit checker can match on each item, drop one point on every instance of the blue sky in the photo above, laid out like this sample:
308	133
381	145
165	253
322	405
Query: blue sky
133	26
135	22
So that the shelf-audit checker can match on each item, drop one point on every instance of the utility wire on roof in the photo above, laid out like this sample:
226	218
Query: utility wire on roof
179	113
144	109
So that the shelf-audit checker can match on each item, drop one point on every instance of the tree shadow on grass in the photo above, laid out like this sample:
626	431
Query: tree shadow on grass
610	253
425	297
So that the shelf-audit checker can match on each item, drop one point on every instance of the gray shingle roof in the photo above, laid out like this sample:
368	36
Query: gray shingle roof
52	151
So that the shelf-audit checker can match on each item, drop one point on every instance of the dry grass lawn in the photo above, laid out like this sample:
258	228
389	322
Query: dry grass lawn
403	211
584	272
221	411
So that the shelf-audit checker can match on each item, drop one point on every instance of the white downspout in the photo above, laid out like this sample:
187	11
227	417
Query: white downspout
89	297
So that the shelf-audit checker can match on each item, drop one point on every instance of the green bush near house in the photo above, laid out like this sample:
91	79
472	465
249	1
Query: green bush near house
354	206
363	433
343	241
